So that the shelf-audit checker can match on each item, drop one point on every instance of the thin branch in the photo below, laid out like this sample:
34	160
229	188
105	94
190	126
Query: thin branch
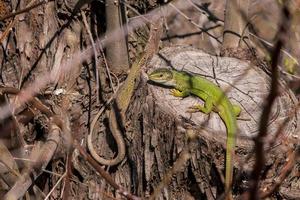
271	45
263	127
24	10
108	70
87	27
192	22
285	171
45	154
135	11
54	187
104	174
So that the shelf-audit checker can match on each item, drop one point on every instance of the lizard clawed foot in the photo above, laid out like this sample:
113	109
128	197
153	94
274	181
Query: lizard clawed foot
176	93
195	108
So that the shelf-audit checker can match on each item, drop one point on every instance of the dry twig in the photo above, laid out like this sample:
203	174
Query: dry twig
104	174
35	168
263	127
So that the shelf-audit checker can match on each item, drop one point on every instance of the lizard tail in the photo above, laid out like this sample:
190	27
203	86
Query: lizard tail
230	146
229	163
230	122
119	140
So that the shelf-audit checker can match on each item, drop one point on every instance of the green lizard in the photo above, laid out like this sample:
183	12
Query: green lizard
185	84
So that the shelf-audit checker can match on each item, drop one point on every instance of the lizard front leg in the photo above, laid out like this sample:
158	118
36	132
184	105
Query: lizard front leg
178	93
207	108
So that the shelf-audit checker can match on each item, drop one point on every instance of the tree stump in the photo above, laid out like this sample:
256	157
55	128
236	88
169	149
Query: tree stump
160	121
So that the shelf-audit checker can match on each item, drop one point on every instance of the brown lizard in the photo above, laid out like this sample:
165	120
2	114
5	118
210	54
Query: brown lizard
123	96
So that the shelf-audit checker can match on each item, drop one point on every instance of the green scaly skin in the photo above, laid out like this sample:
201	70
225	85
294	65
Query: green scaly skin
185	84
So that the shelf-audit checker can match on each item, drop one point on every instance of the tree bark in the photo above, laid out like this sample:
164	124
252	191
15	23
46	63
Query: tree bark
116	51
235	29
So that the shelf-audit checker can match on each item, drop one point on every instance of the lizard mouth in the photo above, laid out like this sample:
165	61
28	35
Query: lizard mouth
164	83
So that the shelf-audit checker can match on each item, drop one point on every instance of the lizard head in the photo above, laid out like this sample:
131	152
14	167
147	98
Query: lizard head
162	76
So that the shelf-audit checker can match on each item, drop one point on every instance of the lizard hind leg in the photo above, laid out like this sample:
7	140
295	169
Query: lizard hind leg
237	110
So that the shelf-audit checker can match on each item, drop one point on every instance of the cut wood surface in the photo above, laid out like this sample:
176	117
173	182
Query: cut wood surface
245	84
160	120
